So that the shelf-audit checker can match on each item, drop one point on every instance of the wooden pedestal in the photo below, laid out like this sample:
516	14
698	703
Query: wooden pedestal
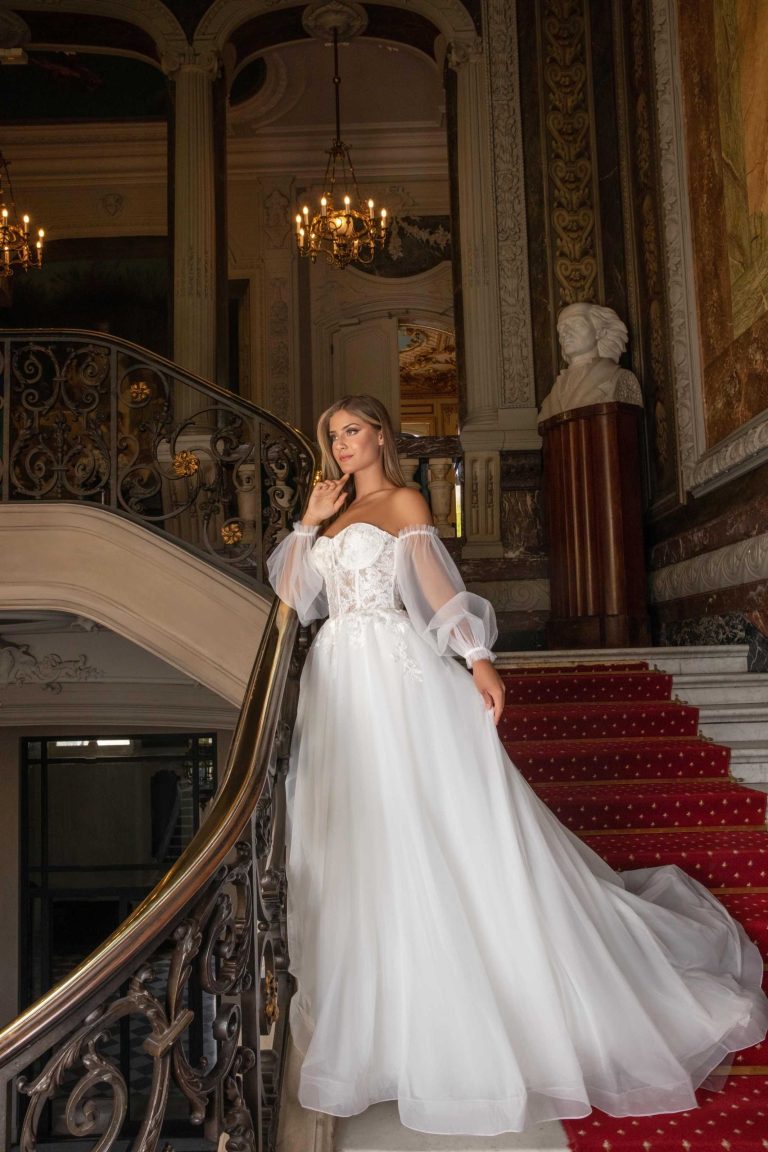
593	501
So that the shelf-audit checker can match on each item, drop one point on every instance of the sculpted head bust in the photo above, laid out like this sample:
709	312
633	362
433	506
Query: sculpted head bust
590	331
592	339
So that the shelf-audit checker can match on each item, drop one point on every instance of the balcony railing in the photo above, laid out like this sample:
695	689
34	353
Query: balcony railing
92	418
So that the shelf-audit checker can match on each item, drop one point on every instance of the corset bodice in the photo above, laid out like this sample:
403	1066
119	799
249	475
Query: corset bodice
358	566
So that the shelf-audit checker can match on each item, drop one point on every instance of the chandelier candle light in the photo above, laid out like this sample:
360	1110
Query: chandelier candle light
350	232
16	245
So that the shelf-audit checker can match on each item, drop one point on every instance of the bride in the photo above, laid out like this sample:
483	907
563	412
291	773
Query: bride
455	947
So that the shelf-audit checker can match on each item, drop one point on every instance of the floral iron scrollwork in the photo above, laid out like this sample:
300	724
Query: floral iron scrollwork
108	423
83	1117
215	939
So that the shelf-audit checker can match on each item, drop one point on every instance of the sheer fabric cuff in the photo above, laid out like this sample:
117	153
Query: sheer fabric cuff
476	654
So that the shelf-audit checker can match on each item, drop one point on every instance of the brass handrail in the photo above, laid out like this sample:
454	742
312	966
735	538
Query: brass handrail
106	968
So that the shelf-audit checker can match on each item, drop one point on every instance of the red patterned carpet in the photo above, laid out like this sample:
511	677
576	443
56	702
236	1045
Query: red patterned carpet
622	765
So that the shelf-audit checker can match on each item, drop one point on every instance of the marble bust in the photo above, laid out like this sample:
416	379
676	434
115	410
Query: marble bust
592	339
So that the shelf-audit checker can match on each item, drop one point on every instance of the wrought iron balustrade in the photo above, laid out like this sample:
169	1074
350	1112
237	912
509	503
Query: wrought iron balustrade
86	417
94	418
220	912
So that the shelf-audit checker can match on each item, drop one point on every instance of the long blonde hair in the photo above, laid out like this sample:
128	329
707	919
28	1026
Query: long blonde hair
371	411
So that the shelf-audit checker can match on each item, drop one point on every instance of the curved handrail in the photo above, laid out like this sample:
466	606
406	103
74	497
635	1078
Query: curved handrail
198	869
93	417
207	386
107	967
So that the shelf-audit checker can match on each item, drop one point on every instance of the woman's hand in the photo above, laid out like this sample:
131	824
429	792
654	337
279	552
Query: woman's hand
325	501
490	686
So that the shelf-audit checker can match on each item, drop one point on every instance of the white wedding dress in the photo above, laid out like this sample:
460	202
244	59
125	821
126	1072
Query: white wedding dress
455	947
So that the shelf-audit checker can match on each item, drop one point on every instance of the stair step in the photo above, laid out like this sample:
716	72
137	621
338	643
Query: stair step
735	722
735	857
584	721
716	659
749	762
659	757
379	1130
735	687
555	687
681	804
507	664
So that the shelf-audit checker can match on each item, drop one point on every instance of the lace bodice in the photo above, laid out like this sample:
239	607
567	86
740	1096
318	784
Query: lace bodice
358	567
363	568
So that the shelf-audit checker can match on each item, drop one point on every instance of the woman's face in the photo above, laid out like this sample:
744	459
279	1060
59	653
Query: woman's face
355	443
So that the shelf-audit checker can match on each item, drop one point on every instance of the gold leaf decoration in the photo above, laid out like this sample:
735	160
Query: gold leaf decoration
185	463
139	391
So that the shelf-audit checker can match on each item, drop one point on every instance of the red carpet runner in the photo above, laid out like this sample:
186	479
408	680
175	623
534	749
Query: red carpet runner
621	764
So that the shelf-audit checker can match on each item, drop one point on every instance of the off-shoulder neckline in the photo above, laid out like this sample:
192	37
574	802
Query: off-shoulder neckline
410	529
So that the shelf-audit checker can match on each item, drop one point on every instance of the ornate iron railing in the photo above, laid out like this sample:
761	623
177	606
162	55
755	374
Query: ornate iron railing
218	915
93	418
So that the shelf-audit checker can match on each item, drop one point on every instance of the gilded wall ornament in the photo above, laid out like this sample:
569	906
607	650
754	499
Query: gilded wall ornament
569	151
509	186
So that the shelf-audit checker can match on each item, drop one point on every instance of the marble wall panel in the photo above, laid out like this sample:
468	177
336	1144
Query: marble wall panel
724	69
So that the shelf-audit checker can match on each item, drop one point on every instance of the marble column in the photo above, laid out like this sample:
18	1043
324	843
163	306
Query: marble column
479	299
194	214
477	212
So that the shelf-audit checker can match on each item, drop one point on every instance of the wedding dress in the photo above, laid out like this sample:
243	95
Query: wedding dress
455	947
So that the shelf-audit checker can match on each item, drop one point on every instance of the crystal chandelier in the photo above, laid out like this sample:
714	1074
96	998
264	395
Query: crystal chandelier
16	244
345	231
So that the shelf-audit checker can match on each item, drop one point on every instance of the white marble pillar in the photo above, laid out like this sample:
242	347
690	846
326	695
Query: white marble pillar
479	293
194	215
479	260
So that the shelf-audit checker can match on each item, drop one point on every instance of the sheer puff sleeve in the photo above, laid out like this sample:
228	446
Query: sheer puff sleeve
439	606
294	577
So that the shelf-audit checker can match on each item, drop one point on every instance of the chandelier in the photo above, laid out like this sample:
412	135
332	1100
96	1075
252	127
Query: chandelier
16	244
345	229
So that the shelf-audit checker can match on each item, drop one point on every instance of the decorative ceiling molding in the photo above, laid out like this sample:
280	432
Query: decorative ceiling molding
128	707
224	16
280	92
740	563
19	664
14	32
152	16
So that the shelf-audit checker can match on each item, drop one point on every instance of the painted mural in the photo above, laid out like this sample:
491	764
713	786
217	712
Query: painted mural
724	64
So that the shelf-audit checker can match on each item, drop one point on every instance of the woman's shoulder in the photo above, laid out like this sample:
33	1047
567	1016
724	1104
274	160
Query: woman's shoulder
407	508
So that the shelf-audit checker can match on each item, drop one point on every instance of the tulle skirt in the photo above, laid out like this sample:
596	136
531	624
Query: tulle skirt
455	947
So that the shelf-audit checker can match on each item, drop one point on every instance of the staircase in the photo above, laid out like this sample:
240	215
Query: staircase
610	741
137	495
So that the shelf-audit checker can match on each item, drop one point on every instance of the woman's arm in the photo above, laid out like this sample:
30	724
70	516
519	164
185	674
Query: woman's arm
444	612
293	576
